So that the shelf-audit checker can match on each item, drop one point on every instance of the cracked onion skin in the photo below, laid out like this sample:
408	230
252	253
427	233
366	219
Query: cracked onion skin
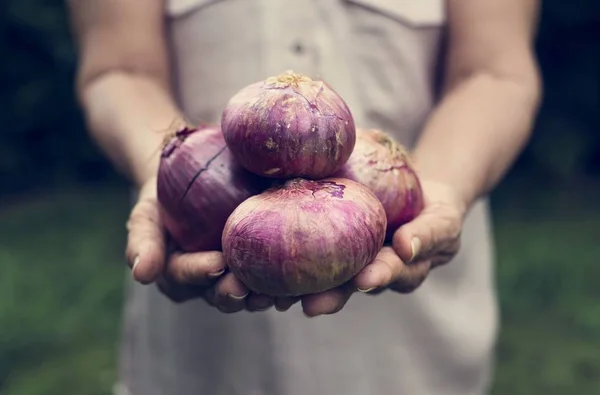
199	184
289	126
384	166
304	236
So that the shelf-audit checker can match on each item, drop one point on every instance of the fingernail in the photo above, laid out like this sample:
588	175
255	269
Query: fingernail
235	297
136	260
415	245
217	273
366	290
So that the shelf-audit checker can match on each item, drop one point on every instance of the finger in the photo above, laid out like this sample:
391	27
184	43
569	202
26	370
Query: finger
178	293
259	302
200	268
380	272
413	278
328	302
285	303
145	251
434	233
230	294
387	268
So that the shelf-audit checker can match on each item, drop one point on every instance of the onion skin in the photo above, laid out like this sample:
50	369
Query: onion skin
289	126
384	166
304	236
199	184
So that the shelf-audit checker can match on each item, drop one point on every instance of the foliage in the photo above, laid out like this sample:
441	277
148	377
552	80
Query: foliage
43	141
566	142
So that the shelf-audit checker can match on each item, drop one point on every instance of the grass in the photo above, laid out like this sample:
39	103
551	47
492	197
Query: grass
548	269
61	292
62	270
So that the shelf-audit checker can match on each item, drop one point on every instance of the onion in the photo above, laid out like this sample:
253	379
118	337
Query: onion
383	165
304	236
199	185
289	126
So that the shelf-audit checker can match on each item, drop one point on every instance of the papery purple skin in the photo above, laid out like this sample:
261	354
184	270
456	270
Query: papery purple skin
384	166
289	126
199	185
304	237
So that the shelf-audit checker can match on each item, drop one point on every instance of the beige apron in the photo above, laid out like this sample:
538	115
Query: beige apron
380	55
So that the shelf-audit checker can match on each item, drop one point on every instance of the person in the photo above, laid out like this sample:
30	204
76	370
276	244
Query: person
456	81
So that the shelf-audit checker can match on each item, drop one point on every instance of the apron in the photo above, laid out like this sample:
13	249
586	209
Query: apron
381	57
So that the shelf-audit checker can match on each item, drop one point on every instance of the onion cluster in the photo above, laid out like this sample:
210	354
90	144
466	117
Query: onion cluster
296	197
199	184
384	166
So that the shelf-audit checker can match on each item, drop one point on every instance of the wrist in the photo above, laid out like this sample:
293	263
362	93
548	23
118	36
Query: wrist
144	169
458	190
457	197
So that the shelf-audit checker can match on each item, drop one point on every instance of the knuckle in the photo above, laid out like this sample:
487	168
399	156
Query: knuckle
193	269
409	284
186	273
453	224
390	274
144	211
445	254
442	258
215	260
136	217
177	268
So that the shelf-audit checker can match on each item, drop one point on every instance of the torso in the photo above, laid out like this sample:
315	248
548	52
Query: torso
380	55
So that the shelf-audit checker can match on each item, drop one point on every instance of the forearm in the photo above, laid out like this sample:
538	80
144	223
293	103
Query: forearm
128	116
476	132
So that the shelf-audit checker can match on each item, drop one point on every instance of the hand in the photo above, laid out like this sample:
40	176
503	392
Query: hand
181	276
430	240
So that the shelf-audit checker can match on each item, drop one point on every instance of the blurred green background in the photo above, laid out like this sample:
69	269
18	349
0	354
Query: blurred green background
63	209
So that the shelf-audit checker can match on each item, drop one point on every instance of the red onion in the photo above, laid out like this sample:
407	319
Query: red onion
384	166
199	185
304	236
289	126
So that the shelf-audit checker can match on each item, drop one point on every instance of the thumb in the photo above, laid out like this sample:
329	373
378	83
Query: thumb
436	231
145	250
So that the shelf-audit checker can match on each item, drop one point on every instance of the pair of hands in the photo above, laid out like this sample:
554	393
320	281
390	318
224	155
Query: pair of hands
430	240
